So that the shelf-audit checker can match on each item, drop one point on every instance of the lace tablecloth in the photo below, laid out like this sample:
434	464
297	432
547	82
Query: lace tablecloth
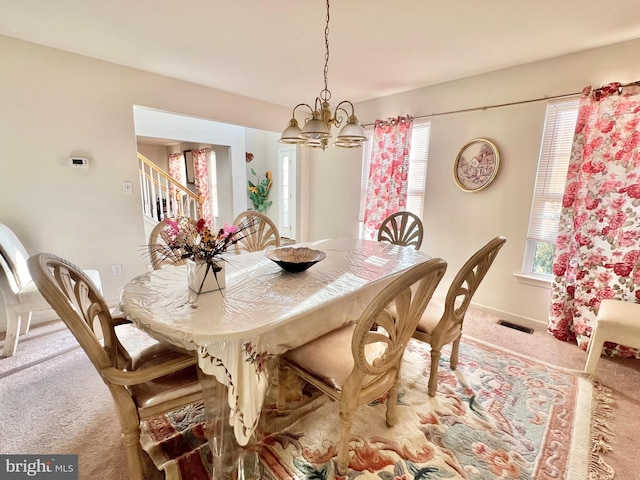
263	311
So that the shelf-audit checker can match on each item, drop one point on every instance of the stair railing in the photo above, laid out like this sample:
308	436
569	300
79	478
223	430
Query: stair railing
163	196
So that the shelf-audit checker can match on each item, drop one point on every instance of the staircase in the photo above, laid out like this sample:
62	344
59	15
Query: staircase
163	196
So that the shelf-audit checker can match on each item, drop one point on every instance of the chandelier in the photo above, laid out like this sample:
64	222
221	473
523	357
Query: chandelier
317	128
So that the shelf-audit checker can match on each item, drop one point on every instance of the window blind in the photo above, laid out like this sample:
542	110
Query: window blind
418	157
555	151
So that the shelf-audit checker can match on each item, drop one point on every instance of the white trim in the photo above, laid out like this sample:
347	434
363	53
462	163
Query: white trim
525	321
511	317
537	281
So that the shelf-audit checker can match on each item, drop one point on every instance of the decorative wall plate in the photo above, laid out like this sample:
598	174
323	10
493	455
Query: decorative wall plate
476	165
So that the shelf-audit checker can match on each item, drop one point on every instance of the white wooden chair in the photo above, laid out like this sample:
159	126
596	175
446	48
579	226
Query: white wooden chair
260	234
19	295
155	380
441	324
357	364
402	228
159	253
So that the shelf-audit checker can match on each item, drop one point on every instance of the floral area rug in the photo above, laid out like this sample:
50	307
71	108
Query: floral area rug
501	415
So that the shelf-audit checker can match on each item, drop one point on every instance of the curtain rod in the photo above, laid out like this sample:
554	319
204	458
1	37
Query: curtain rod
473	109
520	102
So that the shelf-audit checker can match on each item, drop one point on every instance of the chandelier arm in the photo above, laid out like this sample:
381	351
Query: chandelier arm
301	105
317	106
353	110
337	119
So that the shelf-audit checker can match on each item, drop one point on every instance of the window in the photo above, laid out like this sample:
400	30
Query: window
418	157
557	138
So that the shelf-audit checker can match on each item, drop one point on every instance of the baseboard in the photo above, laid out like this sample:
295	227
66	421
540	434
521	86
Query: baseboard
48	315
513	318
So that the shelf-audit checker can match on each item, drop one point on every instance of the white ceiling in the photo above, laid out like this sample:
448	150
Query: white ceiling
274	50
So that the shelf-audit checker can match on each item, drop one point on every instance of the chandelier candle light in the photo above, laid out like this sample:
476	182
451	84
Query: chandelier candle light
317	129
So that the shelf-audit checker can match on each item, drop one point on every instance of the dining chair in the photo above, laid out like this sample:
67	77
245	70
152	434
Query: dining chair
618	321
159	253
356	364
154	380
19	295
441	323
260	234
402	228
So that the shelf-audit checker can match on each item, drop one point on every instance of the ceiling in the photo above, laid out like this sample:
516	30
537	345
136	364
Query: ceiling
275	50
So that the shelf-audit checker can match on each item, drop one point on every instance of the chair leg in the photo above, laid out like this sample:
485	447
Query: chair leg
454	353
131	440
392	404
13	329
594	351
433	375
346	420
25	323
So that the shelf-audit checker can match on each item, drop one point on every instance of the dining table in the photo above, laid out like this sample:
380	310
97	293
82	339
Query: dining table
239	332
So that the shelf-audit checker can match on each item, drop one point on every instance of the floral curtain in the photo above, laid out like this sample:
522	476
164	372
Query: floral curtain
598	249
201	182
177	168
388	172
177	172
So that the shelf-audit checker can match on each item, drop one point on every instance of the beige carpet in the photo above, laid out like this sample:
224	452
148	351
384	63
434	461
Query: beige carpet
72	411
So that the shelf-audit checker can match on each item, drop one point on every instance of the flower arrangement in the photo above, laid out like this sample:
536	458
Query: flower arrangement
259	192
195	241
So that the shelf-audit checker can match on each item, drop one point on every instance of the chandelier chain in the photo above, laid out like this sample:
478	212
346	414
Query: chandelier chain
325	95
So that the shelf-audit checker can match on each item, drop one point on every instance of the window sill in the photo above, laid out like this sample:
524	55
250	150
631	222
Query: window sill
536	281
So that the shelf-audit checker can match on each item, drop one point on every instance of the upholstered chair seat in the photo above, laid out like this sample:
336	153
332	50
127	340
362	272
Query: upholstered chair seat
163	389
431	317
329	358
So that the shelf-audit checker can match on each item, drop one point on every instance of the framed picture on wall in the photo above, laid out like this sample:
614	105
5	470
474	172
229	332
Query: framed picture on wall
188	166
476	165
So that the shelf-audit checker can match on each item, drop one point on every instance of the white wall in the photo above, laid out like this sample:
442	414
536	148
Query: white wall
56	104
458	223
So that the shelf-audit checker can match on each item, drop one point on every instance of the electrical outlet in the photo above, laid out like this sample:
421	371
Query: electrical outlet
116	269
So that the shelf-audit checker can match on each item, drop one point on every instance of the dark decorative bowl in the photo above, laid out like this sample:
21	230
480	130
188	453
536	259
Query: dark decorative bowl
295	259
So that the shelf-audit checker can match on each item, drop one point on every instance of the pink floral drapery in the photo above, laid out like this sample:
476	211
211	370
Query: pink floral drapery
201	181
598	249
388	172
177	172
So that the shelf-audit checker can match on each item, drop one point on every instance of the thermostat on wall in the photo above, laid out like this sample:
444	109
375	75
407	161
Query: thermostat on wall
78	162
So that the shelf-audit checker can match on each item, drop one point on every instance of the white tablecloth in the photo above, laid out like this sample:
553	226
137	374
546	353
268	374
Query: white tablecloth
263	311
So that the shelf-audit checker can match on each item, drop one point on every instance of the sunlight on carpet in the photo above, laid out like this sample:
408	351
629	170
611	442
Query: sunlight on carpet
500	415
